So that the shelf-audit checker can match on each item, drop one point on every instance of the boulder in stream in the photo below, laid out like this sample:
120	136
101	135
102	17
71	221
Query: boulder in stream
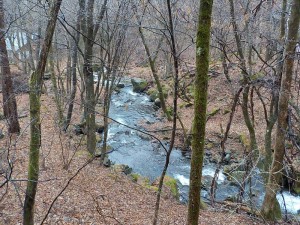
81	128
120	85
157	102
139	85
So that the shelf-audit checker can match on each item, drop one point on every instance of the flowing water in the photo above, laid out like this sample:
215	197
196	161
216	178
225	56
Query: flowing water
146	157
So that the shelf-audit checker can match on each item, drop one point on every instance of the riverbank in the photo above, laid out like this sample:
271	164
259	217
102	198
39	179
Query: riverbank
96	195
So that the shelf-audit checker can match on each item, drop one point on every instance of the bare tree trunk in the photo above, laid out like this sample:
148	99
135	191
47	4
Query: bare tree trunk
22	54
245	95
35	125
74	60
29	46
200	106
175	98
88	28
154	74
57	96
270	208
273	111
9	100
269	29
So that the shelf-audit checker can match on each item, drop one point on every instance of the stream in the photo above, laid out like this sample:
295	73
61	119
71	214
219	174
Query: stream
146	157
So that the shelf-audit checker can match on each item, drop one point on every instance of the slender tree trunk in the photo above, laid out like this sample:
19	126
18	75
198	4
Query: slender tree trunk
35	125
57	97
74	59
9	100
175	98
270	208
269	29
245	95
200	106
22	54
155	75
29	46
273	112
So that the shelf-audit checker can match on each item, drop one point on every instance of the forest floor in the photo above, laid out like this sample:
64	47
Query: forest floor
73	189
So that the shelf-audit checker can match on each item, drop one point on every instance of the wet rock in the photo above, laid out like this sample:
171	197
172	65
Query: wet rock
106	162
206	182
81	128
157	102
120	85
78	129
99	128
139	85
144	136
227	157
47	76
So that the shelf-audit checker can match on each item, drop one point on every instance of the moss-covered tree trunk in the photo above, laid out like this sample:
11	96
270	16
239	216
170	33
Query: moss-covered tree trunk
35	125
200	106
87	27
270	209
9	100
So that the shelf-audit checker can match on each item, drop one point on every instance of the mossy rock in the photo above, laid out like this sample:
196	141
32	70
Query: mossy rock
213	112
244	140
83	153
139	85
226	111
169	185
98	139
209	145
191	91
143	181
135	176
256	76
154	94
170	110
121	168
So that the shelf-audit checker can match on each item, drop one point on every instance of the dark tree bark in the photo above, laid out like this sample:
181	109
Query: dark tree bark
200	106
74	60
9	100
35	125
270	208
